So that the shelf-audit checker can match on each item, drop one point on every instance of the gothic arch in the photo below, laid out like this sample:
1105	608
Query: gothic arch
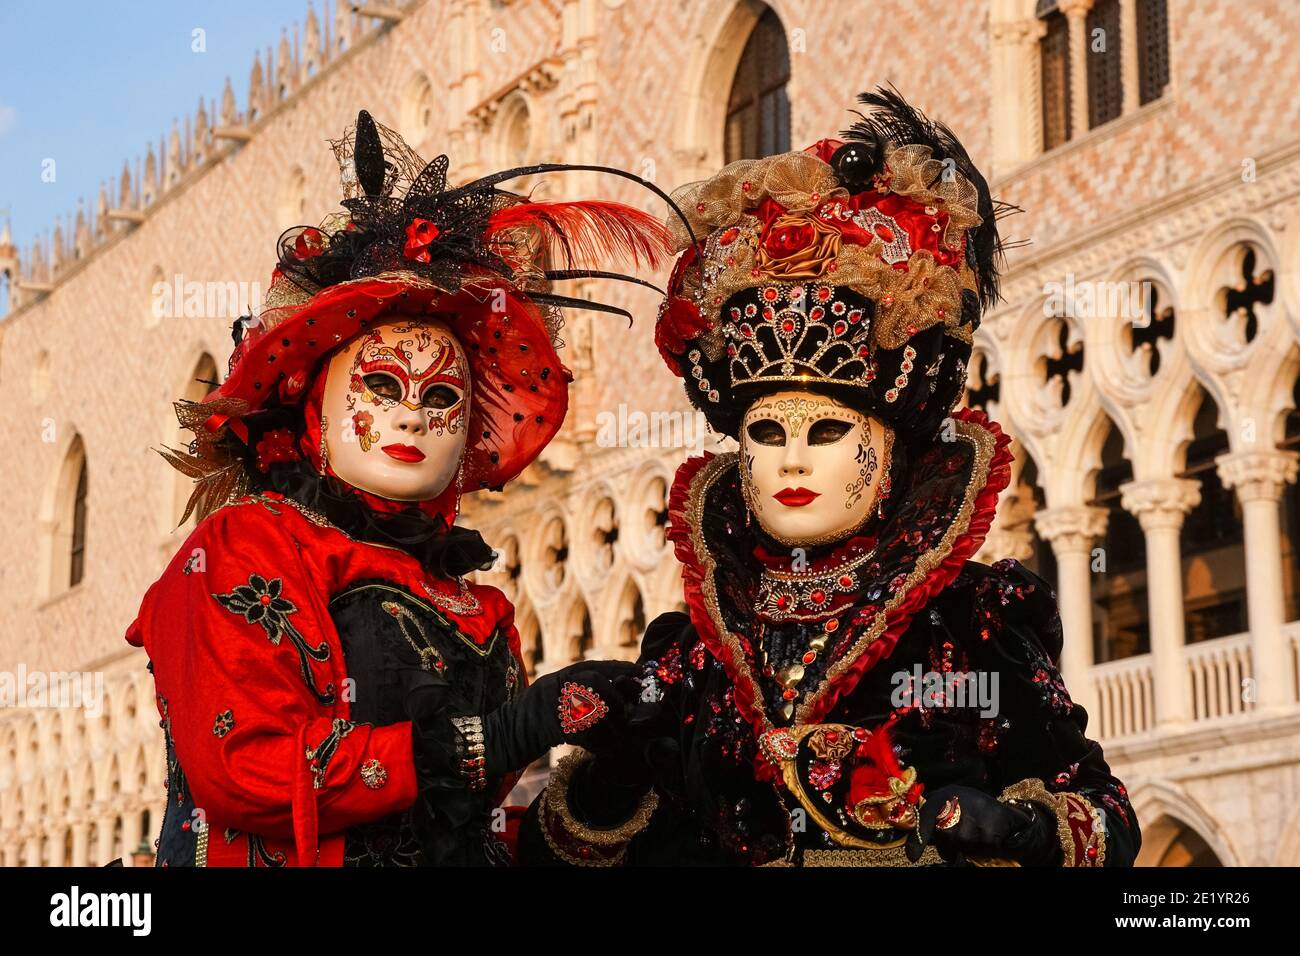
645	516
713	54
1163	809
622	619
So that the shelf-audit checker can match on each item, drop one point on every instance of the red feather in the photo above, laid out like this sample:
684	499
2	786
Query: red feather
585	233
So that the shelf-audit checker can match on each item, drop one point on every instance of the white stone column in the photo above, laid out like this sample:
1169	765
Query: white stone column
131	834
104	843
1160	505
1258	478
1072	531
1076	13
1015	80
1128	65
81	844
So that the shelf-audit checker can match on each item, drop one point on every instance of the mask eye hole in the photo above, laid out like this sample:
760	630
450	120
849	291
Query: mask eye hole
766	431
828	431
439	396
384	386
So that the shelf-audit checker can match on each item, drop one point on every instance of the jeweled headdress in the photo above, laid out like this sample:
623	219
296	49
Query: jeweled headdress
858	266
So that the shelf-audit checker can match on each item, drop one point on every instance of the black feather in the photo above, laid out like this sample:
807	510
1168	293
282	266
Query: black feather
893	119
368	158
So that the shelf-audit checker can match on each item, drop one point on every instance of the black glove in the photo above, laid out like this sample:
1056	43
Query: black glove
579	704
986	829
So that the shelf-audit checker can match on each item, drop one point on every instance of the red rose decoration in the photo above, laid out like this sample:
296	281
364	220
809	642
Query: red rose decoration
420	233
797	247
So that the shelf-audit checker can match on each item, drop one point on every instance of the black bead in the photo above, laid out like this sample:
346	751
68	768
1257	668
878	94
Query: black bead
855	163
518	417
546	373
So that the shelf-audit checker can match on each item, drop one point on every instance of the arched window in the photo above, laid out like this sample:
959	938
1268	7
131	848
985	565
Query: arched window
1153	49
1054	74
77	568
1105	89
758	110
64	520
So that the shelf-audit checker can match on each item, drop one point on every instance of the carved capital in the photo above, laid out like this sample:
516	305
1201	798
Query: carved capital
1160	502
1071	529
1257	475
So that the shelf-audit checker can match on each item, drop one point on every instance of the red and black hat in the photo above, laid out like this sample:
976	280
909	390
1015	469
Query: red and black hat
474	256
858	267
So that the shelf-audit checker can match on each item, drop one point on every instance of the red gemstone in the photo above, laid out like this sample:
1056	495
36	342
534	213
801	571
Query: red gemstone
783	602
810	657
884	232
790	694
579	706
832	736
832	626
818	596
846	581
265	599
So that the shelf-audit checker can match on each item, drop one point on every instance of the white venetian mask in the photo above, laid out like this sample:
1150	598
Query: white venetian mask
811	466
395	410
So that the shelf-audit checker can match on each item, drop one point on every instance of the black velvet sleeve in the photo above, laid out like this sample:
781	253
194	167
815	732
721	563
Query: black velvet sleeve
1018	630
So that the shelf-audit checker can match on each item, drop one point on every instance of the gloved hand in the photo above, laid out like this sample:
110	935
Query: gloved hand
984	828
580	704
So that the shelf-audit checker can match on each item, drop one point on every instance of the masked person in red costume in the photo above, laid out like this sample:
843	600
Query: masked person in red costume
332	691
848	689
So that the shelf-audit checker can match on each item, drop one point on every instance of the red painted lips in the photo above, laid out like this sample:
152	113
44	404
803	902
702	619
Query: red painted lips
796	497
403	452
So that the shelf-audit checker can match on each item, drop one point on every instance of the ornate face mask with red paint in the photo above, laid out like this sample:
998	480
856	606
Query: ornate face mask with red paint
395	409
811	467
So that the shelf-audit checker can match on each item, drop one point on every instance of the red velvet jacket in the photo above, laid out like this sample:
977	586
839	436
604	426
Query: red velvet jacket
254	690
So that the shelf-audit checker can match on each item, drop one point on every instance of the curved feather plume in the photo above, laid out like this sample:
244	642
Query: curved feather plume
588	231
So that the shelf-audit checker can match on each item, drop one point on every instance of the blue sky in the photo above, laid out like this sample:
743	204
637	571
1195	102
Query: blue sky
90	83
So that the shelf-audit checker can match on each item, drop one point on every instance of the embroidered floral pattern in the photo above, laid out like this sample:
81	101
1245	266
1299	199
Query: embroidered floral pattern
319	757
261	602
224	723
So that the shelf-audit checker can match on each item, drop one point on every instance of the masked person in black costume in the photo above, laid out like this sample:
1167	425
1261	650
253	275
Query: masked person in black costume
848	688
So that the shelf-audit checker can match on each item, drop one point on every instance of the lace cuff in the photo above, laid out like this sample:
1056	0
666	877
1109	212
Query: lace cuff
1080	826
573	841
